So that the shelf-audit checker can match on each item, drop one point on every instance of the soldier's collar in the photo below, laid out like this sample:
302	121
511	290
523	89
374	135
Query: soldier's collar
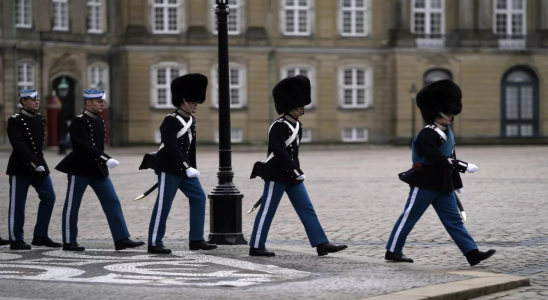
440	126
290	119
27	113
182	113
90	114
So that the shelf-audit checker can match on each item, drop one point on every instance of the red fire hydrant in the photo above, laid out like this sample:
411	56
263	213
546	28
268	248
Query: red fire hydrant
53	108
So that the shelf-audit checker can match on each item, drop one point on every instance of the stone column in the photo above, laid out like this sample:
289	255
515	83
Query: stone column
485	17
403	14
544	15
466	14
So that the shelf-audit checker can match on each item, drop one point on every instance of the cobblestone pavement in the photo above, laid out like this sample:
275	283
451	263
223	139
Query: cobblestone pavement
357	197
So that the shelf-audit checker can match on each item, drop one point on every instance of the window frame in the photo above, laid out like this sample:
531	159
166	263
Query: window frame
353	9
106	80
22	4
368	84
165	5
310	20
428	11
240	7
312	71
59	17
354	138
509	11
154	83
242	86
100	16
309	138
233	140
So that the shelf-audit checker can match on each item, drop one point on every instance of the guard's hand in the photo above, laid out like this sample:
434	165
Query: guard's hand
112	163
472	168
302	177
40	169
458	191
192	173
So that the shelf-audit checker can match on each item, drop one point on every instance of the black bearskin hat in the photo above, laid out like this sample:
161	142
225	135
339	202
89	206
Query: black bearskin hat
441	96
190	87
291	92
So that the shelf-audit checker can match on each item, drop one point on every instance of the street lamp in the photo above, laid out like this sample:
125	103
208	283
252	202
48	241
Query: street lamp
63	88
225	200
412	92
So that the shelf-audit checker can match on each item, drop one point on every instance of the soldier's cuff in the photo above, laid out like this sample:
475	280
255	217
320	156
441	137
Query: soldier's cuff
296	173
461	166
103	158
186	165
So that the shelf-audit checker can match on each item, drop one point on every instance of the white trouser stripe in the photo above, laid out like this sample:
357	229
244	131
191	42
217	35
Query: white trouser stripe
265	212
407	211
69	208
159	211
12	210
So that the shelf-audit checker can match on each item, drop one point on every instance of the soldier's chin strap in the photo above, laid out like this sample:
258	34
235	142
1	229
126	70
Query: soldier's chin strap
445	117
188	106
298	113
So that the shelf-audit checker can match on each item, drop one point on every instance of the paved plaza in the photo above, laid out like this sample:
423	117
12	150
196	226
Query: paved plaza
358	198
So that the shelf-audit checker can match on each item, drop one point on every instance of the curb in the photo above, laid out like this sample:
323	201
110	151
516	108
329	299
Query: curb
484	284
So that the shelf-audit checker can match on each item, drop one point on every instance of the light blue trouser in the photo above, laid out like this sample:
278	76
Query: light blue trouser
104	190
273	192
19	187
168	184
446	207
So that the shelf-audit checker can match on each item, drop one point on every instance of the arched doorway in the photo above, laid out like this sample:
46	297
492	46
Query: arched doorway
519	103
65	88
436	75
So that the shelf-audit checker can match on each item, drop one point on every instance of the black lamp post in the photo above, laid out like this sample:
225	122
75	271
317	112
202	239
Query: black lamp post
413	91
225	200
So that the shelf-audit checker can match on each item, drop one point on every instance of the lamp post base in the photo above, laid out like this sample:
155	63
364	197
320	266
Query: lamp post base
226	219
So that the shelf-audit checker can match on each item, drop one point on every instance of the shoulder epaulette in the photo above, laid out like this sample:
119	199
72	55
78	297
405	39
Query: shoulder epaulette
14	116
80	115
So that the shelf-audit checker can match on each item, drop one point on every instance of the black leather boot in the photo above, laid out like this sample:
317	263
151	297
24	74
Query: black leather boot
19	245
474	257
72	247
397	257
4	242
127	243
158	249
201	245
325	248
260	252
45	241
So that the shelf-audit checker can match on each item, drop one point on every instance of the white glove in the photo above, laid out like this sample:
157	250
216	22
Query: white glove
472	168
40	169
191	173
112	163
458	191
302	177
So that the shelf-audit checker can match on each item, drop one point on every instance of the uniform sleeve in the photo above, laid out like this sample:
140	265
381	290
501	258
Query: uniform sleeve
168	130
192	152
428	143
20	148
457	181
81	141
276	140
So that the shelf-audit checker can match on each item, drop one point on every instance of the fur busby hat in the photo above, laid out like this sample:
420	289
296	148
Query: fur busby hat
189	87
441	96
291	92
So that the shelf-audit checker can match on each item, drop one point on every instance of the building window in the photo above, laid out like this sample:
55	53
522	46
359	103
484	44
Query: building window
23	13
436	75
296	17
307	135
510	23
95	16
237	86
305	70
25	76
161	77
428	23
350	135
60	15
236	135
520	104
166	16
354	17
98	78
355	87
235	18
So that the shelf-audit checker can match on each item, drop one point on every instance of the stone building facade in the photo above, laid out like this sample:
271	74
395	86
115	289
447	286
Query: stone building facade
362	56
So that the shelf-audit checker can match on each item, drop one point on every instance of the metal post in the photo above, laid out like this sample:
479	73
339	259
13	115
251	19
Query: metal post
225	200
412	92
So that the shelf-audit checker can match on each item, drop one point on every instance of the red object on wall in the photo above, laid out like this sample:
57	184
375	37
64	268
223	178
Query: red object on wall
104	115
53	108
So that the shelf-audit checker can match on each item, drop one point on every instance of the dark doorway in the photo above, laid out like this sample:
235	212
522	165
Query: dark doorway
67	112
519	103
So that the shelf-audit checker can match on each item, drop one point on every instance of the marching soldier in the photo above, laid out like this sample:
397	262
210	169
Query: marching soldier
435	176
26	167
175	165
282	173
88	165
